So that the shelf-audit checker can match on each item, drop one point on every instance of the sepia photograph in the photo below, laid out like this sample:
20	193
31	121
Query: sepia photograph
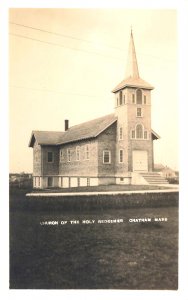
93	149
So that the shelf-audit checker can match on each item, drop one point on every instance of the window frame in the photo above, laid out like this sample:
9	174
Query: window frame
120	98
87	152
121	156
77	153
139	96
68	155
121	133
109	156
52	160
142	131
50	180
61	155
133	98
133	131
145	99
141	113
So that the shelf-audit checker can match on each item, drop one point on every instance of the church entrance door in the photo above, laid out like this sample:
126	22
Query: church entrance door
140	161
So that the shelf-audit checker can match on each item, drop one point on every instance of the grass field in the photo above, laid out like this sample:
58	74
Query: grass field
126	255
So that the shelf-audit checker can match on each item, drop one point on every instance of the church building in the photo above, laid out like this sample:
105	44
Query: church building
114	149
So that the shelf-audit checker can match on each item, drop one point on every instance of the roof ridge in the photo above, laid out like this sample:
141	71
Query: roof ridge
112	114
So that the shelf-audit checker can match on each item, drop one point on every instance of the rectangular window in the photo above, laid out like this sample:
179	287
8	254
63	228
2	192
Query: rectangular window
133	134
139	112
120	155
144	99
87	152
50	157
145	135
124	99
61	155
37	182
68	155
133	98
120	97
50	181
120	133
78	153
106	157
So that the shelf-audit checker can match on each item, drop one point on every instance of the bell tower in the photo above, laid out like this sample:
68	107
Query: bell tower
134	144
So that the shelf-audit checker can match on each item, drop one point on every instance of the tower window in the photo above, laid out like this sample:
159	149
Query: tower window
145	134
120	98
133	98
50	157
139	97
139	131
144	99
120	133
133	134
139	112
106	157
121	155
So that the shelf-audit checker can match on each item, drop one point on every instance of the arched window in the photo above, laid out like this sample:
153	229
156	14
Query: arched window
120	98
139	97
139	131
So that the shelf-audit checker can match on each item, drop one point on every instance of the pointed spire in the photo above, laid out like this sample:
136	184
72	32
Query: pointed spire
132	66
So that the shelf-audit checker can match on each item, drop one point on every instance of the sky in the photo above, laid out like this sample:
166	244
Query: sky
64	63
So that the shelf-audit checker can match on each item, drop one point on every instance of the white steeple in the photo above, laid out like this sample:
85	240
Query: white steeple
132	66
132	78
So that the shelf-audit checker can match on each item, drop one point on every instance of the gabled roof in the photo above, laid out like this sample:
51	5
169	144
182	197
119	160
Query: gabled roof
45	137
86	130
